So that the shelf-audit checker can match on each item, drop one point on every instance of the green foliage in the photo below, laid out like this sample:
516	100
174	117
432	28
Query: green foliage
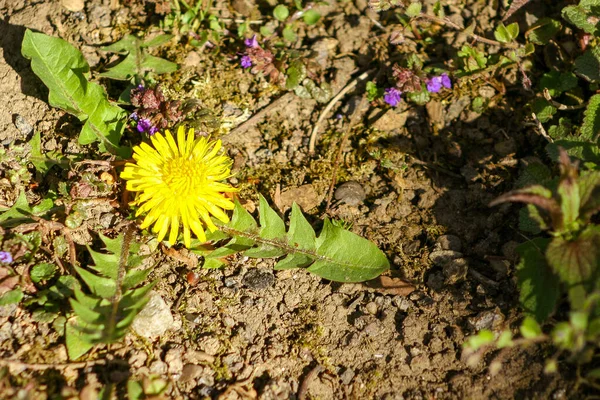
472	59
42	272
538	285
572	253
42	162
591	120
373	92
137	62
105	313
336	254
413	9
311	17
296	73
506	34
197	22
543	31
21	211
588	64
585	16
66	73
281	12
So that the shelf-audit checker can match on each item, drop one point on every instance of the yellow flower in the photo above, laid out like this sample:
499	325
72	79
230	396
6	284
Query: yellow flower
180	182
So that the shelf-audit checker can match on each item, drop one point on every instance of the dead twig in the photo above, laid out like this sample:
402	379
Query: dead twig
561	106
329	106
541	128
42	367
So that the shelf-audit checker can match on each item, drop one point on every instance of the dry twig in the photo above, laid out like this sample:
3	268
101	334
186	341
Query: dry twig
346	89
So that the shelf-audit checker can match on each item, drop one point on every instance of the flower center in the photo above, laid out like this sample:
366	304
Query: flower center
183	176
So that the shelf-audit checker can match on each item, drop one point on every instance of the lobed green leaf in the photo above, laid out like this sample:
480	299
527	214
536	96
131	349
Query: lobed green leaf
65	72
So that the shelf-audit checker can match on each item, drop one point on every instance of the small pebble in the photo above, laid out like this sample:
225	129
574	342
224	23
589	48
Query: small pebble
351	193
455	271
448	242
371	308
154	319
443	257
347	376
258	279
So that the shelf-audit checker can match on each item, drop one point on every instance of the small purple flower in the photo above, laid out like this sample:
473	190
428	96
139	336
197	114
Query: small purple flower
392	96
436	83
144	125
133	116
252	42
246	62
5	257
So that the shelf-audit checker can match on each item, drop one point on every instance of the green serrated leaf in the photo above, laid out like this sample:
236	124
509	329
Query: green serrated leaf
530	329
543	109
588	64
580	17
301	236
64	71
591	119
421	98
543	30
347	257
137	61
134	278
86	314
576	262
39	161
77	345
42	272
100	286
296	73
539	287
589	189
558	82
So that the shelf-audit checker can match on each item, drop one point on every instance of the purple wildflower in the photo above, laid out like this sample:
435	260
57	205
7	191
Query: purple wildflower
252	42
392	96
133	116
144	125
5	257
246	62
435	83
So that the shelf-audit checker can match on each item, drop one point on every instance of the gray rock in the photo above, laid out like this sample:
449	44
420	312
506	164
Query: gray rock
347	376
443	257
351	193
402	303
371	308
448	242
455	271
258	279
154	319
